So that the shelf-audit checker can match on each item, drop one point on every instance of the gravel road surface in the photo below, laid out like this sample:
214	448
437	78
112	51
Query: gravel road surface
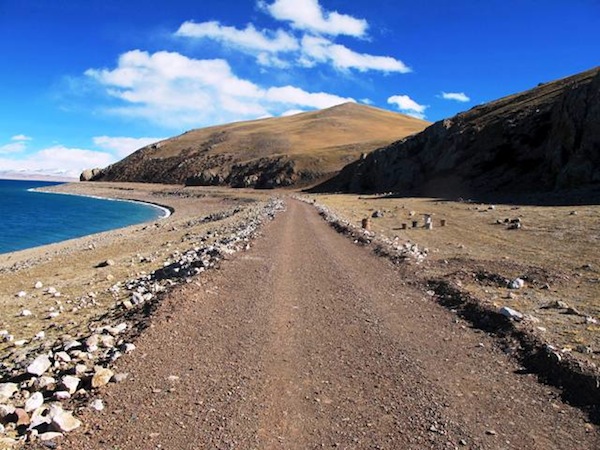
309	341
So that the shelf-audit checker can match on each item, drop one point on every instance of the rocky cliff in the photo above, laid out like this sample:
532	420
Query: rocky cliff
545	139
275	152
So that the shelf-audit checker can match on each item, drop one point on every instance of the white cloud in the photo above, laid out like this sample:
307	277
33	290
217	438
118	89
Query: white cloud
13	147
319	49
57	160
408	106
18	145
173	90
20	137
309	15
457	96
249	38
123	146
292	112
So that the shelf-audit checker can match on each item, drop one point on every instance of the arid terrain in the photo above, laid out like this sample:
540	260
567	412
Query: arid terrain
304	338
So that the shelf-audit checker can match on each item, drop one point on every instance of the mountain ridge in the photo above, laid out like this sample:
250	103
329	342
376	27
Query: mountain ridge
265	153
544	139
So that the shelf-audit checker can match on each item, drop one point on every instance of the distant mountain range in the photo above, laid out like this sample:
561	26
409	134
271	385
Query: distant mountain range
546	139
276	152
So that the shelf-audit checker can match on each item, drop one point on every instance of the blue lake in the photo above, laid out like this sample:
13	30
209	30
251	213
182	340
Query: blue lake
29	219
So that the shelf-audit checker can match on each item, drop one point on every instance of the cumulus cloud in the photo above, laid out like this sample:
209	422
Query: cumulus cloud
123	146
57	160
456	96
319	49
173	90
309	15
21	137
305	46
18	144
249	38
408	106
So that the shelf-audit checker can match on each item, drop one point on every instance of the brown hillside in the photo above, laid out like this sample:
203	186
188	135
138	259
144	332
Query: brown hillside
542	140
266	153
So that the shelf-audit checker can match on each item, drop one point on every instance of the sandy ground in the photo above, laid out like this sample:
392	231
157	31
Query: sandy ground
309	341
556	252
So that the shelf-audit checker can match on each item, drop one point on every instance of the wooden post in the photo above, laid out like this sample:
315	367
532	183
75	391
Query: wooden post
442	222
366	223
404	226
415	223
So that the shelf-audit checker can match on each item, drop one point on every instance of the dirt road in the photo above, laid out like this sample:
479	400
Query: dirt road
309	341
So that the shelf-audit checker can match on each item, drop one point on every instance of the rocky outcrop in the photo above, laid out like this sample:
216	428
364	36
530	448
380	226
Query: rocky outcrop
545	139
267	153
90	174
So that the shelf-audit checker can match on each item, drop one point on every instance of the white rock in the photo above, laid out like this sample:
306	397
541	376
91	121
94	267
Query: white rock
511	313
6	442
120	377
71	344
107	341
117	328
20	343
5	410
53	315
41	335
38	285
62	395
63	356
39	417
101	377
50	436
34	402
51	290
39	365
21	294
7	390
129	347
45	382
62	420
517	283
97	405
70	383
26	313
80	369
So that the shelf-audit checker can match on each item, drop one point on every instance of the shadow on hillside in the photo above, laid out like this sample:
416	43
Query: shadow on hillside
578	197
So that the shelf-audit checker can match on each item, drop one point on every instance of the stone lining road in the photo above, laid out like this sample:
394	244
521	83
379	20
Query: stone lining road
309	341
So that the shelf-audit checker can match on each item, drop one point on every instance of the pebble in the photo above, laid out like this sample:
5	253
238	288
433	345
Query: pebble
39	365
97	405
71	383
22	417
45	382
7	390
21	294
34	402
38	285
101	377
120	377
50	436
62	395
26	313
511	313
517	283
63	421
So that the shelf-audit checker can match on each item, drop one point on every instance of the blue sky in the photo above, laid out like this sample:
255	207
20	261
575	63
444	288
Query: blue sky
84	83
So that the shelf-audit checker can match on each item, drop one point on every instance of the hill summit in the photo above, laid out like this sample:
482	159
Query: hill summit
266	153
546	139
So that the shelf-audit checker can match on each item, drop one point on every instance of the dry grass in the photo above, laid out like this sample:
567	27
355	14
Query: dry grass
334	135
553	247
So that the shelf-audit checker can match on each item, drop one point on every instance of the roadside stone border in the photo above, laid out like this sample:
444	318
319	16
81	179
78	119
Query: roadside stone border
578	380
381	245
38	386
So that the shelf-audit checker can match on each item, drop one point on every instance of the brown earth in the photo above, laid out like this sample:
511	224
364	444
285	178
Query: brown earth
275	152
309	341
